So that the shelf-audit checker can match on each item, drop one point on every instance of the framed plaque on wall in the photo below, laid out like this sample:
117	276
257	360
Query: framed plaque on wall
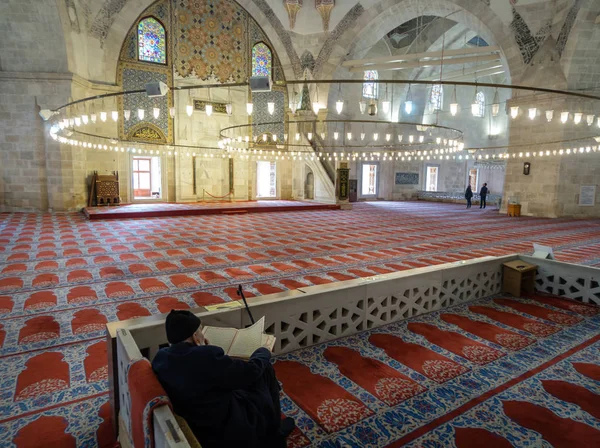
587	195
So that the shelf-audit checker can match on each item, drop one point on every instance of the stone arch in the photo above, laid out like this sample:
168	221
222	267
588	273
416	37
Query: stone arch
355	41
578	36
131	11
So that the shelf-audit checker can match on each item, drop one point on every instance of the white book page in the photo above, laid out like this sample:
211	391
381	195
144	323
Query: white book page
248	340
268	341
221	337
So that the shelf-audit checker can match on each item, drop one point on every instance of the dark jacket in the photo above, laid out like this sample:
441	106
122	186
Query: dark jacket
484	191
468	193
213	393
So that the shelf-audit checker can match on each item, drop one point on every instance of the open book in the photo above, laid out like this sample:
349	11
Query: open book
240	343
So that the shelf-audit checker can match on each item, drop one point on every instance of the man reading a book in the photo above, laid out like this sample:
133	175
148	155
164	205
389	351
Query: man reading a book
227	402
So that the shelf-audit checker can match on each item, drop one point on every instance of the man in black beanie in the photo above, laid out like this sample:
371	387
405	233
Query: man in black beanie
226	402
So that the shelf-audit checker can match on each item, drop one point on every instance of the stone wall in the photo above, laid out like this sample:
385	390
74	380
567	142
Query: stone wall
36	172
575	171
31	37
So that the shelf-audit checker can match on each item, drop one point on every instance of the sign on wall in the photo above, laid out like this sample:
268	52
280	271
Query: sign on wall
407	178
587	195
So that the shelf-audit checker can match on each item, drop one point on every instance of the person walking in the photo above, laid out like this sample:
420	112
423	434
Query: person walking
468	195
483	194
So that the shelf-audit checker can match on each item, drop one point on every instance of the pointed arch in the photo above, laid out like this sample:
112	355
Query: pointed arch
370	89
262	60
479	111
436	99
152	41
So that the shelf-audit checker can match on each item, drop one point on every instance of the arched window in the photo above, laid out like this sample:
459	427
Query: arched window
436	100
479	110
370	88
152	41
261	60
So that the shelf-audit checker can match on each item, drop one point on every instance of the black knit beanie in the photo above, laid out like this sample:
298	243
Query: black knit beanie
180	325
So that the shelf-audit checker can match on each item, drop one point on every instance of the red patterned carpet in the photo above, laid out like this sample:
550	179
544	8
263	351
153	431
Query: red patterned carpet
63	277
495	373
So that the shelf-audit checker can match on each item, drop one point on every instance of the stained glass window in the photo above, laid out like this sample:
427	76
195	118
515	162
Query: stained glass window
480	100
152	42
437	97
370	88
261	60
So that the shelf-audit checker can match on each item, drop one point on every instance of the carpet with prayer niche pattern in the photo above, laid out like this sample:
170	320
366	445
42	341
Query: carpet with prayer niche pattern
63	277
499	372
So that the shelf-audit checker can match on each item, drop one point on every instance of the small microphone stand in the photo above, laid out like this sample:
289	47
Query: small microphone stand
240	293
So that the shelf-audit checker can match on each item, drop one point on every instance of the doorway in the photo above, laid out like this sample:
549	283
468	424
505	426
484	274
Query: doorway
474	178
369	179
431	178
146	178
266	179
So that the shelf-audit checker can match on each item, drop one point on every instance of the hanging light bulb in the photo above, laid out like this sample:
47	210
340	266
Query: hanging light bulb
294	102
549	115
274	137
336	135
385	106
598	123
589	118
514	111
411	138
577	117
408	104
363	106
532	113
103	116
421	138
310	135
264	137
564	116
249	108
375	136
156	113
362	135
77	121
189	109
141	114
86	119
454	103
316	106
93	117
399	138
297	136
438	140
339	106
349	135
271	107
322	135
388	137
496	105
172	112
208	109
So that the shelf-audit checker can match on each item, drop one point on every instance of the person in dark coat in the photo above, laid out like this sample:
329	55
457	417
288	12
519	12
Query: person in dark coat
226	402
468	195
482	194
